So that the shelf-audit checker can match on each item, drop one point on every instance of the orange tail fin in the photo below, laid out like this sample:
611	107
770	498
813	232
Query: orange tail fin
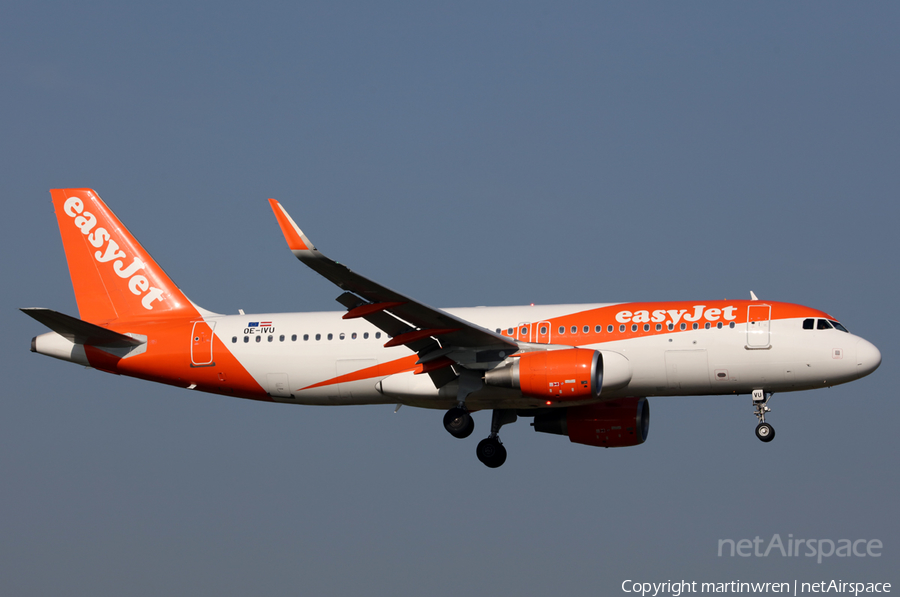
113	276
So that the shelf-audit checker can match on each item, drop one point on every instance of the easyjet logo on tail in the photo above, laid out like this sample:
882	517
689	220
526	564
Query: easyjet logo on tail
110	252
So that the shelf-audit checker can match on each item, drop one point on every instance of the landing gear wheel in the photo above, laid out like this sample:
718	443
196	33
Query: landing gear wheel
491	452
765	432
459	423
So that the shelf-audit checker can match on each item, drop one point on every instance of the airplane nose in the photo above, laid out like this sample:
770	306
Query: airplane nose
868	357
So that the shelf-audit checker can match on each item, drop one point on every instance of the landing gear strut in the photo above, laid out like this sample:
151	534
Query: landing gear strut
764	431
490	450
458	422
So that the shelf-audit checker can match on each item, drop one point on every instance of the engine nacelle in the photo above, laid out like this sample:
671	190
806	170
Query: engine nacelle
613	424
563	375
570	374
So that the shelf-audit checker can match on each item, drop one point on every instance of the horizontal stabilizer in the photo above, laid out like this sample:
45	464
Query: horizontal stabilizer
80	332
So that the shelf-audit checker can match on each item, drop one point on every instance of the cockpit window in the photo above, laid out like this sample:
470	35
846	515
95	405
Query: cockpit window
809	324
838	326
823	325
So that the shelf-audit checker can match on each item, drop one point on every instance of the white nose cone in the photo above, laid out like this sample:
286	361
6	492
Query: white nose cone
868	358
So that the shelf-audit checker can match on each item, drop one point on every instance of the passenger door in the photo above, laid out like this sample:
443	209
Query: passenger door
758	317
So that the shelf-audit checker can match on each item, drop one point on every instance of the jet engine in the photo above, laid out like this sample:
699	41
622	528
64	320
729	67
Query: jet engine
570	374
612	424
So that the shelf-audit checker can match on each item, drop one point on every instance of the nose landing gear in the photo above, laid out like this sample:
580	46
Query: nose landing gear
764	431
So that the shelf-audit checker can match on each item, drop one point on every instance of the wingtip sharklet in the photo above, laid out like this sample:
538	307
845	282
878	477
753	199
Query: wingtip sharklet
296	240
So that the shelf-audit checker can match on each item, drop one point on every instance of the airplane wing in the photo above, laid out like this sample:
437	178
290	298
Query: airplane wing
439	338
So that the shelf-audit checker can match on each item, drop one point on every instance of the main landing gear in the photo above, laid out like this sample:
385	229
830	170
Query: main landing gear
490	451
764	431
458	422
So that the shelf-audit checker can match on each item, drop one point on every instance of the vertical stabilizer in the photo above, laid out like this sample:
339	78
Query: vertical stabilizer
113	276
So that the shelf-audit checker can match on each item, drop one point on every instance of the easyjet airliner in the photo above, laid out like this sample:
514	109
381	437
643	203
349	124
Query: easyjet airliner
584	371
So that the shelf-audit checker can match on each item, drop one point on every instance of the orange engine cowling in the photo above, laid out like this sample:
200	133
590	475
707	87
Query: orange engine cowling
569	374
613	424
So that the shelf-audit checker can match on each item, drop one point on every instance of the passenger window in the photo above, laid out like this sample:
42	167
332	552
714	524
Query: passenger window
598	328
524	331
562	329
574	329
646	327
731	325
683	326
809	324
658	327
509	331
341	336
330	336
719	325
365	335
498	330
306	337
234	339
246	339
823	325
609	329
622	328
353	336
586	329
633	327
695	326
318	337
293	337
259	338
377	335
543	329
271	338
706	325
671	326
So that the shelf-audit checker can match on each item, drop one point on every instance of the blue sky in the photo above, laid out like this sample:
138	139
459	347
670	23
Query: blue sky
471	154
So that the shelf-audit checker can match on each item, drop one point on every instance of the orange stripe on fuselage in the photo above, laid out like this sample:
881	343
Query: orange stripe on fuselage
640	314
407	363
168	360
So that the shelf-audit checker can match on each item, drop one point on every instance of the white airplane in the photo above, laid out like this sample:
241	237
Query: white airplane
584	371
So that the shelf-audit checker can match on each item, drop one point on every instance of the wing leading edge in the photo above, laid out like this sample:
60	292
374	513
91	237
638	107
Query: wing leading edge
446	345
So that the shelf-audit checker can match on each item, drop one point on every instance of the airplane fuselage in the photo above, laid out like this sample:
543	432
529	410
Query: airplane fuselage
321	358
